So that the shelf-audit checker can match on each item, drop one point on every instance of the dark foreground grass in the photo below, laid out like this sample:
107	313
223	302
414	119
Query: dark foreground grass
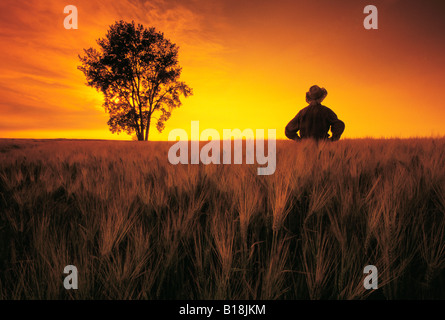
137	227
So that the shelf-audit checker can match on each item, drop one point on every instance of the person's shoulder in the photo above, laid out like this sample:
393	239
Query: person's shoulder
302	112
304	109
327	109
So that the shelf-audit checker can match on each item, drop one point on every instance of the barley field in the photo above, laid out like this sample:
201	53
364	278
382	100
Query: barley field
138	227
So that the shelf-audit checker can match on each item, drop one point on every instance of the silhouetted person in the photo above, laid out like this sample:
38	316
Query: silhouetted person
315	120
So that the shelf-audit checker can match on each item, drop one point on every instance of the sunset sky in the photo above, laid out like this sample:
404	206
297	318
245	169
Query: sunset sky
249	62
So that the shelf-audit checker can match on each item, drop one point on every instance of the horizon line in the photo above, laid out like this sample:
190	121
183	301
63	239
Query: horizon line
233	139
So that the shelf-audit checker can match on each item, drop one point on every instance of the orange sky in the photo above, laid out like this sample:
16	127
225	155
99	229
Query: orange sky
249	62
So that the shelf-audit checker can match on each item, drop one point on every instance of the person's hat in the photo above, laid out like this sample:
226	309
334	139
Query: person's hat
316	94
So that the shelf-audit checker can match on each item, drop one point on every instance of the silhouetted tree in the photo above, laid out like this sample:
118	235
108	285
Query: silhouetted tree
137	70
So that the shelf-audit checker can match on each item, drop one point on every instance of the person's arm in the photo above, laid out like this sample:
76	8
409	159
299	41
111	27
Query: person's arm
292	128
337	126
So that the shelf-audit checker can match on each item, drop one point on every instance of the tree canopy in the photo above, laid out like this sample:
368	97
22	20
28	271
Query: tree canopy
137	71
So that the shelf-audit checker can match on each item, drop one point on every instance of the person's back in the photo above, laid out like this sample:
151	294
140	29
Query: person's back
315	120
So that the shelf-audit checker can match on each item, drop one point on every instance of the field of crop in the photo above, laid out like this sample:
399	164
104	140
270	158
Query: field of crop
137	227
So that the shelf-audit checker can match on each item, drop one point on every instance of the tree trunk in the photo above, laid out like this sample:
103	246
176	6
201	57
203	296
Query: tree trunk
147	128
